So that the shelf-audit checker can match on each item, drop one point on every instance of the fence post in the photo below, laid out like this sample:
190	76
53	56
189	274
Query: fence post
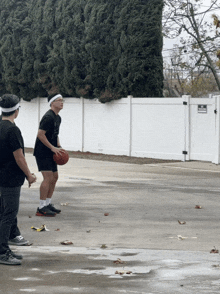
130	124
82	123
216	158
186	144
38	111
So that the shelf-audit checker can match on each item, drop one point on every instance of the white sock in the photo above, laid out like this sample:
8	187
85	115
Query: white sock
48	201
42	203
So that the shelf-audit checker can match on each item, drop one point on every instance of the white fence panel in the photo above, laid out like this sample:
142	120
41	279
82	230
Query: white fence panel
106	127
158	128
27	121
71	130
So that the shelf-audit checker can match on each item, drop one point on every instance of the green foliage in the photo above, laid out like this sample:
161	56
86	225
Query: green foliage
91	48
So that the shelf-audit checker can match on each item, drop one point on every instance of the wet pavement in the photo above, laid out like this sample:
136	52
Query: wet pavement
134	229
84	270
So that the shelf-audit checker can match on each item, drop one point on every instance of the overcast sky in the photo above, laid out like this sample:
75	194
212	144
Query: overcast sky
168	44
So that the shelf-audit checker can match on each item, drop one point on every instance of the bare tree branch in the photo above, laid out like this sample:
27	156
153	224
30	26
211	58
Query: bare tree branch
198	38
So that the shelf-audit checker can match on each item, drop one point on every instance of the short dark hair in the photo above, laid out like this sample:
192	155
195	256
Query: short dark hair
8	101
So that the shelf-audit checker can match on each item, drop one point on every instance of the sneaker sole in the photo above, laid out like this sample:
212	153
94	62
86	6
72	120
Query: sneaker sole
47	215
18	244
10	263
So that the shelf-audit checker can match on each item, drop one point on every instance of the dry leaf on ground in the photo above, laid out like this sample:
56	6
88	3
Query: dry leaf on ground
66	242
181	237
119	261
181	223
103	246
123	272
214	250
198	207
41	229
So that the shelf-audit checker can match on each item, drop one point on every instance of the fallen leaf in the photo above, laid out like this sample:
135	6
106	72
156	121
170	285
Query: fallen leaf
181	237
57	230
123	272
214	250
66	242
28	244
198	207
103	246
41	229
181	223
106	214
119	272
119	261
64	204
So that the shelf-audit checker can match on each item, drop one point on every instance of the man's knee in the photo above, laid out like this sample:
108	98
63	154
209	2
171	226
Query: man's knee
55	177
48	177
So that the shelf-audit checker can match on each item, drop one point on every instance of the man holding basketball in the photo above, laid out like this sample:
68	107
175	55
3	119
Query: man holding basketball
47	144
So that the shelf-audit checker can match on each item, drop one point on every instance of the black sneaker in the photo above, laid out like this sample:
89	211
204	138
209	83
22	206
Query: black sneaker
52	208
45	211
17	256
18	241
8	259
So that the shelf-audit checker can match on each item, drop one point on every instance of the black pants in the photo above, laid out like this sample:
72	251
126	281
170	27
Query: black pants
9	206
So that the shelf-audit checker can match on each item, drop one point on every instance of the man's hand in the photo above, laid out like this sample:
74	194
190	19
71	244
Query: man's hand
31	179
57	150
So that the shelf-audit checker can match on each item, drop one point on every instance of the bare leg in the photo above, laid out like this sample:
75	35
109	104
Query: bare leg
52	184
46	191
48	184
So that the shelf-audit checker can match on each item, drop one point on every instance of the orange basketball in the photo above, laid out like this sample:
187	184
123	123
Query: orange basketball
61	158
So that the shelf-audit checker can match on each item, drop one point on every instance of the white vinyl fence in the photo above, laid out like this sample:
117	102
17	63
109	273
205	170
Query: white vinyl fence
167	128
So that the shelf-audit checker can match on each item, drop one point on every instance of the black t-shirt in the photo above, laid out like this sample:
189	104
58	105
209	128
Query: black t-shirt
10	140
50	123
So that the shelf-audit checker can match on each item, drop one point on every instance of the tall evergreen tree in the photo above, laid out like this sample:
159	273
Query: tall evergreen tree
17	50
92	48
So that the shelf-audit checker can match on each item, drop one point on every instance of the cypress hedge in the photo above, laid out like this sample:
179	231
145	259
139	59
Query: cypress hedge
82	48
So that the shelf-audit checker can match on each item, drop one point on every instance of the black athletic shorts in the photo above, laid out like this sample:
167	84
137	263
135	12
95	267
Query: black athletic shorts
46	164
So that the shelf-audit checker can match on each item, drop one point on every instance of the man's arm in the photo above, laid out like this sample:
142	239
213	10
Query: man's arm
58	143
21	162
42	137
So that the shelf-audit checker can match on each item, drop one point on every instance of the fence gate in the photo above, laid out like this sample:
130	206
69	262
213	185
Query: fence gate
202	134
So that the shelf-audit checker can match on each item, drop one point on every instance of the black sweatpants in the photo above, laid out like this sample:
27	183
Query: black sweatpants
9	205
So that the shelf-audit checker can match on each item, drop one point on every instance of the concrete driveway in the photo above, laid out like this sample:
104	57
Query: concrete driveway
134	229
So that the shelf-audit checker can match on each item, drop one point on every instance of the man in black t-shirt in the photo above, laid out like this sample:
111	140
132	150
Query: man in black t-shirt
15	237
13	170
46	145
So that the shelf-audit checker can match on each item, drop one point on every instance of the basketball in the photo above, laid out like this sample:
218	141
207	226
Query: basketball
61	158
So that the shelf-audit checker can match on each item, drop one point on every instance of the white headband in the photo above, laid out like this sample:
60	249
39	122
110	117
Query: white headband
11	108
55	97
